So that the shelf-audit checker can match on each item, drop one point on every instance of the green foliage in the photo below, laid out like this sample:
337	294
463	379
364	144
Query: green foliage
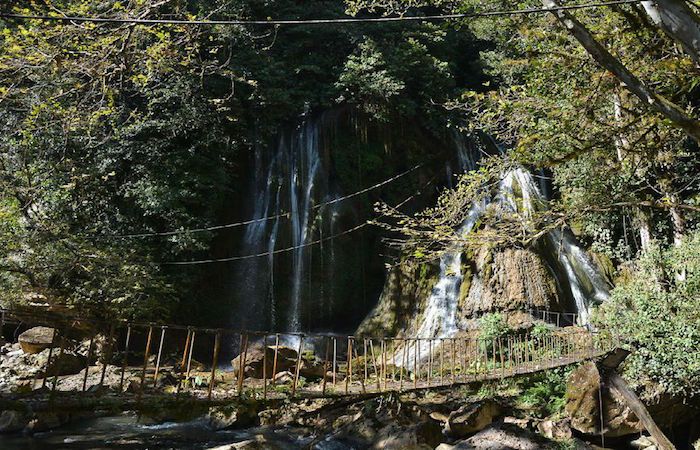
540	331
117	130
655	312
492	326
545	392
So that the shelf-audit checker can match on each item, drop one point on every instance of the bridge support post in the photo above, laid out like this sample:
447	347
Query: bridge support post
145	358
265	369
48	360
325	365
125	359
215	362
298	368
241	362
160	353
87	362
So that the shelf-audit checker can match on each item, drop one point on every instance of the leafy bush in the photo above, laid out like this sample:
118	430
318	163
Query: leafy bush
492	326
540	331
655	312
546	391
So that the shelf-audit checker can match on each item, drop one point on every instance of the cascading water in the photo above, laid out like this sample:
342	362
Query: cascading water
516	194
290	181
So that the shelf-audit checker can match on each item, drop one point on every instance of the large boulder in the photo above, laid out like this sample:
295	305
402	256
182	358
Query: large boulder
471	418
583	405
36	339
255	358
312	369
65	364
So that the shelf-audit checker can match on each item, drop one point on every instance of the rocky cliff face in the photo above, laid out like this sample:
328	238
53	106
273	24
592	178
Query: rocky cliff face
440	299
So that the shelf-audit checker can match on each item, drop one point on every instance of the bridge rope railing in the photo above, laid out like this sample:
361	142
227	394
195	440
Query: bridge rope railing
139	358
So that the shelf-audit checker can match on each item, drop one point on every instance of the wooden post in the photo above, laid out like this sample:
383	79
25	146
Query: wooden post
393	360
160	353
453	360
430	359
325	365
265	367
108	355
214	363
126	356
404	365
384	368
364	356
241	362
465	349
415	363
362	383
274	362
60	354
48	360
87	362
189	356
147	353
442	361
183	362
348	365
298	368
374	363
335	358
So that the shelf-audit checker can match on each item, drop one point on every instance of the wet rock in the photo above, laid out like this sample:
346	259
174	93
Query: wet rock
36	339
12	421
471	418
232	416
554	430
256	356
583	405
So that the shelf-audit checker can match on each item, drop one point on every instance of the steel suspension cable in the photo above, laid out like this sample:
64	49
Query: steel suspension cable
296	247
329	21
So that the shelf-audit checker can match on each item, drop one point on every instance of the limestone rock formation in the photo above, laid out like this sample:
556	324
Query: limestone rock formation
583	405
506	280
406	289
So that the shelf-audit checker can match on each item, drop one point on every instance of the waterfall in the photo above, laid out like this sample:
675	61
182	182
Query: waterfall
305	164
289	181
516	194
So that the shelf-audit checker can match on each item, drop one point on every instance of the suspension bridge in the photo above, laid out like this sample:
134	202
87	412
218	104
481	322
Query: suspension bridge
125	358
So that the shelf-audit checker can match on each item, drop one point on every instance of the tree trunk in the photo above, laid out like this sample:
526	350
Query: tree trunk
622	145
640	411
605	59
679	22
644	230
